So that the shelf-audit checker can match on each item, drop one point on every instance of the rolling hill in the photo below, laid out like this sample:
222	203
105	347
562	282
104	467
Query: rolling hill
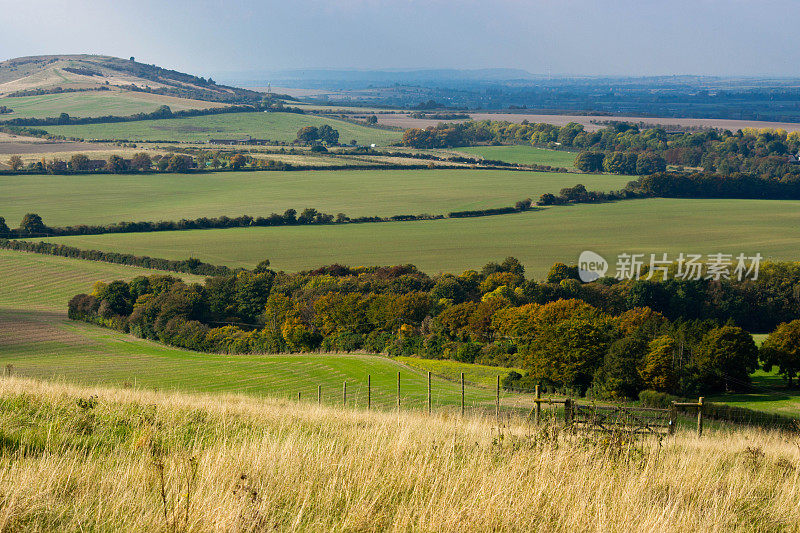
54	74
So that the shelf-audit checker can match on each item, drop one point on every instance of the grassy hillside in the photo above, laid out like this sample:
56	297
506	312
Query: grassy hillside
46	283
273	126
140	461
95	104
86	71
537	238
54	349
38	339
480	374
91	199
526	155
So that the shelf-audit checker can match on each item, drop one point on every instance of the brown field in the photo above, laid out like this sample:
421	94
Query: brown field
34	151
15	144
589	122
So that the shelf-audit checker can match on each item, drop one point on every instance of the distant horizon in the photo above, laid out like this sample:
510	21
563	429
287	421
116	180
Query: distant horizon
259	71
630	38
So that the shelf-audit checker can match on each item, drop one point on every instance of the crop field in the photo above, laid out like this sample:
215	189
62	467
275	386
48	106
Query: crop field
481	374
274	126
91	199
95	104
43	282
55	349
40	342
525	155
537	238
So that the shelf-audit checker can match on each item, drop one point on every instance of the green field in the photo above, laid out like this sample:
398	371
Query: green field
95	104
525	155
274	126
95	199
483	375
537	238
39	341
769	394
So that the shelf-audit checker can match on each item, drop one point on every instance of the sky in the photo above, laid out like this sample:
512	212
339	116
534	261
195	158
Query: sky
561	37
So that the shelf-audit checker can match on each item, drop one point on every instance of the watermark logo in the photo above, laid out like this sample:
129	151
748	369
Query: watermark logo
716	267
591	266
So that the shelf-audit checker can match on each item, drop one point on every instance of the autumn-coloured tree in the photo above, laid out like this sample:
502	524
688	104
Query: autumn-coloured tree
657	369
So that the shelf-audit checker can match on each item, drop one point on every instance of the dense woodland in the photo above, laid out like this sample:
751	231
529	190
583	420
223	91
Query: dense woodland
609	338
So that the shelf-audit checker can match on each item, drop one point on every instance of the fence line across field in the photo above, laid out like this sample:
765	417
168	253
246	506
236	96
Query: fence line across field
577	415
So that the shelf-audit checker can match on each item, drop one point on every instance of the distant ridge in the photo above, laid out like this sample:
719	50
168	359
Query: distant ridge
384	76
54	73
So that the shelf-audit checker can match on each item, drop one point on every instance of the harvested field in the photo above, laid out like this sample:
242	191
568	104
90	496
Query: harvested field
590	123
15	144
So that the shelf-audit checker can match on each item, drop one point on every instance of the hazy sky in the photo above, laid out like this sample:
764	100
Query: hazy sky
636	37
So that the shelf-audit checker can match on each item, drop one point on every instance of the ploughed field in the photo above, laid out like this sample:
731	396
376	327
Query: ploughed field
274	126
538	238
103	199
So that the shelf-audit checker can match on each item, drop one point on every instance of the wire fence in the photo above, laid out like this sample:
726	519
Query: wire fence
416	391
469	399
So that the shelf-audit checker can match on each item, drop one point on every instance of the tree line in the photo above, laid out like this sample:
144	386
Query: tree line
624	148
683	185
186	266
204	161
32	224
600	338
162	112
40	91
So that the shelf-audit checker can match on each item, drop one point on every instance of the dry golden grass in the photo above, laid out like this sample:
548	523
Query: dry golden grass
252	465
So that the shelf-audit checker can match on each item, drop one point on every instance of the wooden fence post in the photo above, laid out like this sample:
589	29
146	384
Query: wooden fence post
700	417
398	392
538	409
429	392
673	418
369	392
462	394
567	412
319	394
497	401
344	393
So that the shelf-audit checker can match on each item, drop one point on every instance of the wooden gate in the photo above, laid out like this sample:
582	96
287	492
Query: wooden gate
620	419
